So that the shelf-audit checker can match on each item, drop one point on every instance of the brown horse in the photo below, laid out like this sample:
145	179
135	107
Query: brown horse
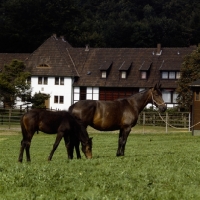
60	122
121	114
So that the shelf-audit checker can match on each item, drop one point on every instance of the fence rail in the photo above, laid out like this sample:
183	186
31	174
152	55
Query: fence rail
10	117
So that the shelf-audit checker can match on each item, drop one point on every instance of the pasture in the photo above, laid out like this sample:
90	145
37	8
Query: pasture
156	165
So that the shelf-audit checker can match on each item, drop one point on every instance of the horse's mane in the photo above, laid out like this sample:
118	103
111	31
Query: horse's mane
138	93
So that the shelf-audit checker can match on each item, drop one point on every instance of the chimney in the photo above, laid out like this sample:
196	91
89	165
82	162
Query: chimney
63	38
158	51
55	36
87	47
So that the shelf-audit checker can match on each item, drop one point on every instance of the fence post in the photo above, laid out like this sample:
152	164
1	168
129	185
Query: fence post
9	118
184	121
189	122
2	119
166	121
143	121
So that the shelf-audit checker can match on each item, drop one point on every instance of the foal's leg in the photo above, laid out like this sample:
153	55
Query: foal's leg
78	154
123	135
69	147
58	139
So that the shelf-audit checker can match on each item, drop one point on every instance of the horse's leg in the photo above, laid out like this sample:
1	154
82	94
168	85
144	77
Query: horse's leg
20	159
123	135
58	139
28	144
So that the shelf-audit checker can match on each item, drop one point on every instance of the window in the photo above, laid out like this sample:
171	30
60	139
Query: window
43	65
29	80
92	93
175	95
56	81
169	96
166	95
143	75
197	96
59	99
123	74
76	94
170	75
164	75
39	80
178	75
42	80
103	74
45	80
59	81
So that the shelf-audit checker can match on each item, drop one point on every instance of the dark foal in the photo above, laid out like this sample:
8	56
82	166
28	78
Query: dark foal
61	122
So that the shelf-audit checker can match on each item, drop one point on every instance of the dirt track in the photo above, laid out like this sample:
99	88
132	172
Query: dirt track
10	131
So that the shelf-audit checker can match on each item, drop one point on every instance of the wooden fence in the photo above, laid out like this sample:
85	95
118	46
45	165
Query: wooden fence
11	117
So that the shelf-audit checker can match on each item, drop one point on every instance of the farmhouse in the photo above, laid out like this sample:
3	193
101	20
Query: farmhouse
71	74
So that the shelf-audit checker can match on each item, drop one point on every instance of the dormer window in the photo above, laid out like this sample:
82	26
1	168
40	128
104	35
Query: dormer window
170	75
124	69
145	69
105	69
43	65
123	74
143	74
103	74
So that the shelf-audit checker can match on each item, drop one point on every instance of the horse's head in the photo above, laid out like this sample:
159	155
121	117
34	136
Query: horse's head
157	99
87	148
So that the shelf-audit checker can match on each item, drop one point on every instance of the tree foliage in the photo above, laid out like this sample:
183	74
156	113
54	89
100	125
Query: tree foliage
25	24
13	83
38	100
190	72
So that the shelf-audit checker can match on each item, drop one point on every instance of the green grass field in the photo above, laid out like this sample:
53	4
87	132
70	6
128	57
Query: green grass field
156	165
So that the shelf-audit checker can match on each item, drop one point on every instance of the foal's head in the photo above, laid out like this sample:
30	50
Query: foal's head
87	148
157	99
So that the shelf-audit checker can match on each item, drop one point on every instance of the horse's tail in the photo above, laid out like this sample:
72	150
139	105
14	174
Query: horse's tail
71	108
23	128
78	128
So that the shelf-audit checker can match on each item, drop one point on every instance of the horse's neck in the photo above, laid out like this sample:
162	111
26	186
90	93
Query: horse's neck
141	99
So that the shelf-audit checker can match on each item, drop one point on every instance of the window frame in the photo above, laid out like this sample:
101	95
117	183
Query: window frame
103	74
197	95
123	74
166	75
143	75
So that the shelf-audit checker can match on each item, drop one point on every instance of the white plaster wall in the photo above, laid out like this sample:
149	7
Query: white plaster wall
55	90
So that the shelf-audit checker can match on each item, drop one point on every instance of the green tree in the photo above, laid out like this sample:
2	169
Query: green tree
13	83
38	100
190	72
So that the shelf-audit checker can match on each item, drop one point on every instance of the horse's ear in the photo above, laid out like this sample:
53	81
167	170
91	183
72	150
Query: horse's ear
157	85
